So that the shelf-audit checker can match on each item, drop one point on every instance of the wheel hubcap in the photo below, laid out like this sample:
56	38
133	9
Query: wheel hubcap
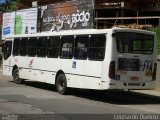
61	85
16	77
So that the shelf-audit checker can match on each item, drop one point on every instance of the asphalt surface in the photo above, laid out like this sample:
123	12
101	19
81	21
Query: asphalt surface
158	76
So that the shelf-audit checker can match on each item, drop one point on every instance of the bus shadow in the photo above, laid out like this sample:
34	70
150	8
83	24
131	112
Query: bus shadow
110	96
39	85
118	97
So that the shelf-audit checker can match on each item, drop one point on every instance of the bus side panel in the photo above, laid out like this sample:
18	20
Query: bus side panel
53	65
50	77
74	81
74	73
31	69
73	70
92	71
82	73
24	73
7	70
20	62
92	83
39	65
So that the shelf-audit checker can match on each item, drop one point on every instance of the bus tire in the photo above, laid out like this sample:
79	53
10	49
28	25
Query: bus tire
61	84
16	77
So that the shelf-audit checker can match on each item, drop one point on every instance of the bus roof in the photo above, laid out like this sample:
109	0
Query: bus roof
81	32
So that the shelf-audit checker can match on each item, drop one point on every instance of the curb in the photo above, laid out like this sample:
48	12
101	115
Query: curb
141	93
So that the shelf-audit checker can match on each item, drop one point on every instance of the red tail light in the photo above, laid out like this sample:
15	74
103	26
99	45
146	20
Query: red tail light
154	72
112	70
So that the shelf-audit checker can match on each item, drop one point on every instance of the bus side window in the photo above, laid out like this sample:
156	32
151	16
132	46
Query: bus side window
32	47
23	46
67	43
81	46
7	49
16	46
42	47
53	47
97	47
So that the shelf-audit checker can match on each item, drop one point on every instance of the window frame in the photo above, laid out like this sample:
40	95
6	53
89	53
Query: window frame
54	47
32	47
24	46
103	47
68	48
42	47
118	42
76	46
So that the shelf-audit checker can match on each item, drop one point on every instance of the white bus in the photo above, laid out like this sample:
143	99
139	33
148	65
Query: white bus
116	58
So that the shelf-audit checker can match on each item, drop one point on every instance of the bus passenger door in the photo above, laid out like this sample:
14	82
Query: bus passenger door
7	69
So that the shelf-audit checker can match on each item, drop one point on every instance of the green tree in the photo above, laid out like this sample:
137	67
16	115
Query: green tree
9	7
157	31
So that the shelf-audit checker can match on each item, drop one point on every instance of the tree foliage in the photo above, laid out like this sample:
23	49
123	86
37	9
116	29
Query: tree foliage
157	31
9	7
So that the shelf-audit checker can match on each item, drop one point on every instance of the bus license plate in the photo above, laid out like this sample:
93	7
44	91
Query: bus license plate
134	78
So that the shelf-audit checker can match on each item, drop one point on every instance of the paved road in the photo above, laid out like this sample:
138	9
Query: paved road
38	98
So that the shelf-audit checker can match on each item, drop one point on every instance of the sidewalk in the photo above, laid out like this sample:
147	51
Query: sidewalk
158	57
153	93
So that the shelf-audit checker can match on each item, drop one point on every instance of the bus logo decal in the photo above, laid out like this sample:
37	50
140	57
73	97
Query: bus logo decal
31	62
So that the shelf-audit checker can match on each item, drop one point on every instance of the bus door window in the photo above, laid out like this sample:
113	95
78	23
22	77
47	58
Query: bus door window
67	43
97	47
7	49
16	46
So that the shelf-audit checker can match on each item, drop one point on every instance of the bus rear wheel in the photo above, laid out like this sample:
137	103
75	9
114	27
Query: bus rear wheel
61	84
16	77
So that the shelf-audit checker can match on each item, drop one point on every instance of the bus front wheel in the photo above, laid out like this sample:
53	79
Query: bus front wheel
61	84
16	77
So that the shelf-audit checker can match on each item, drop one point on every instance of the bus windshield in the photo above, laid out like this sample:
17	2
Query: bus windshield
134	43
